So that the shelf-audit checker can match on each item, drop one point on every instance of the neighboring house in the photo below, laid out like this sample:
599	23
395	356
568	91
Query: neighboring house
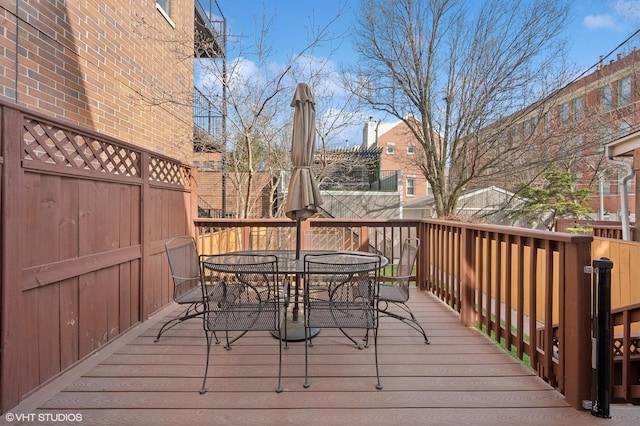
576	122
489	204
399	152
118	68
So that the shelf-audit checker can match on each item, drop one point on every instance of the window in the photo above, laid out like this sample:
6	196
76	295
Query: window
624	128
515	134
577	109
606	98
564	113
605	135
621	174
624	91
164	7
527	128
578	145
411	186
411	149
534	123
391	148
547	122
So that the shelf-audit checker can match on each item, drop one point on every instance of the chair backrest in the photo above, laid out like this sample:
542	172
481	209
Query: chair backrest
184	264
245	294
338	284
408	255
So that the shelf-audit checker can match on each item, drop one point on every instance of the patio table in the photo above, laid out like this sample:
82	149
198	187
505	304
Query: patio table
291	263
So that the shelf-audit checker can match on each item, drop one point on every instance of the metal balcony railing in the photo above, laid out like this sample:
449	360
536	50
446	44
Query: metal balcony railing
362	180
207	125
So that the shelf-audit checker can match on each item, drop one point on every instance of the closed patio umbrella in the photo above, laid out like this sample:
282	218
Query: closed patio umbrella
303	196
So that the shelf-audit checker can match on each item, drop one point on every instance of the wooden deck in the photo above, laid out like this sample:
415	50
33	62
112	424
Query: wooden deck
460	378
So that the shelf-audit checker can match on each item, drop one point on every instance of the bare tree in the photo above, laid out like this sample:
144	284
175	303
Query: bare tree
449	69
257	105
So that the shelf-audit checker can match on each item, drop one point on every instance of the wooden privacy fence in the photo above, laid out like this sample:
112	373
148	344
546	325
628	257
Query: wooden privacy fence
84	221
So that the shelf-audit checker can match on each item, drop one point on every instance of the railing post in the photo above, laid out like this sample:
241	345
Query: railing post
576	347
467	279
601	402
422	265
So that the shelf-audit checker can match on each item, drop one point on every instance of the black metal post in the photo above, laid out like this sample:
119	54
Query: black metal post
600	406
297	282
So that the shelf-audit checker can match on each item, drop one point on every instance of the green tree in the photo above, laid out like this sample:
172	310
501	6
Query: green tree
556	198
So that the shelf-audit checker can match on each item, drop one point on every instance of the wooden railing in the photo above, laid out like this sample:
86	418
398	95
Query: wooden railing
626	354
598	228
512	283
515	284
382	236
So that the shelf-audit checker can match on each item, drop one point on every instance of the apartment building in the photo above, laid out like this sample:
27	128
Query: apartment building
571	128
122	69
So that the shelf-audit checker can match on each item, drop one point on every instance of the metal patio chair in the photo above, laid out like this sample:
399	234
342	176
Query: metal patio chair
245	297
339	292
394	288
184	263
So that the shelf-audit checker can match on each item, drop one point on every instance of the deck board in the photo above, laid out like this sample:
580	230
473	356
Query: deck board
460	378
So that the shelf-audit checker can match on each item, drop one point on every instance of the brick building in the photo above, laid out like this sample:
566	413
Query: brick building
118	68
572	126
399	152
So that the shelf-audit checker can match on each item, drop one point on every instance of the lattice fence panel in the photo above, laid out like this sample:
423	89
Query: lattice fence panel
167	171
53	145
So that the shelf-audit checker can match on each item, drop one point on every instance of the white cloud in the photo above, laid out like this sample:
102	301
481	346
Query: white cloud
593	22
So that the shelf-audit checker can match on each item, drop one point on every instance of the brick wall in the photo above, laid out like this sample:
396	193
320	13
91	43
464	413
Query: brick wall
403	160
118	67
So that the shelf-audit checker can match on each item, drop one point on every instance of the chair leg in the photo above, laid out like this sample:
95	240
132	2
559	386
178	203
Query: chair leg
279	388
191	312
358	345
411	321
307	343
203	390
375	350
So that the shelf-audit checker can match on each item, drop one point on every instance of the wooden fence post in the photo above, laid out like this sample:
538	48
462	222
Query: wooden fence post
146	299
11	187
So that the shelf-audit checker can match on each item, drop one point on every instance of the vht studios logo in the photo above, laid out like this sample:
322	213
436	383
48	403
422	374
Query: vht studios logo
43	417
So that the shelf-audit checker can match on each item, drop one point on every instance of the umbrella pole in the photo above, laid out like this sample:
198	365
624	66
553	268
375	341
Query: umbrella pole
295	326
296	297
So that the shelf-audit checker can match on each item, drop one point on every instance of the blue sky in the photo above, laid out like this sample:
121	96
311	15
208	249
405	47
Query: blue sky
596	26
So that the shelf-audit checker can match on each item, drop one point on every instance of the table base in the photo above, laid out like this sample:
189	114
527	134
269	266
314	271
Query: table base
295	331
